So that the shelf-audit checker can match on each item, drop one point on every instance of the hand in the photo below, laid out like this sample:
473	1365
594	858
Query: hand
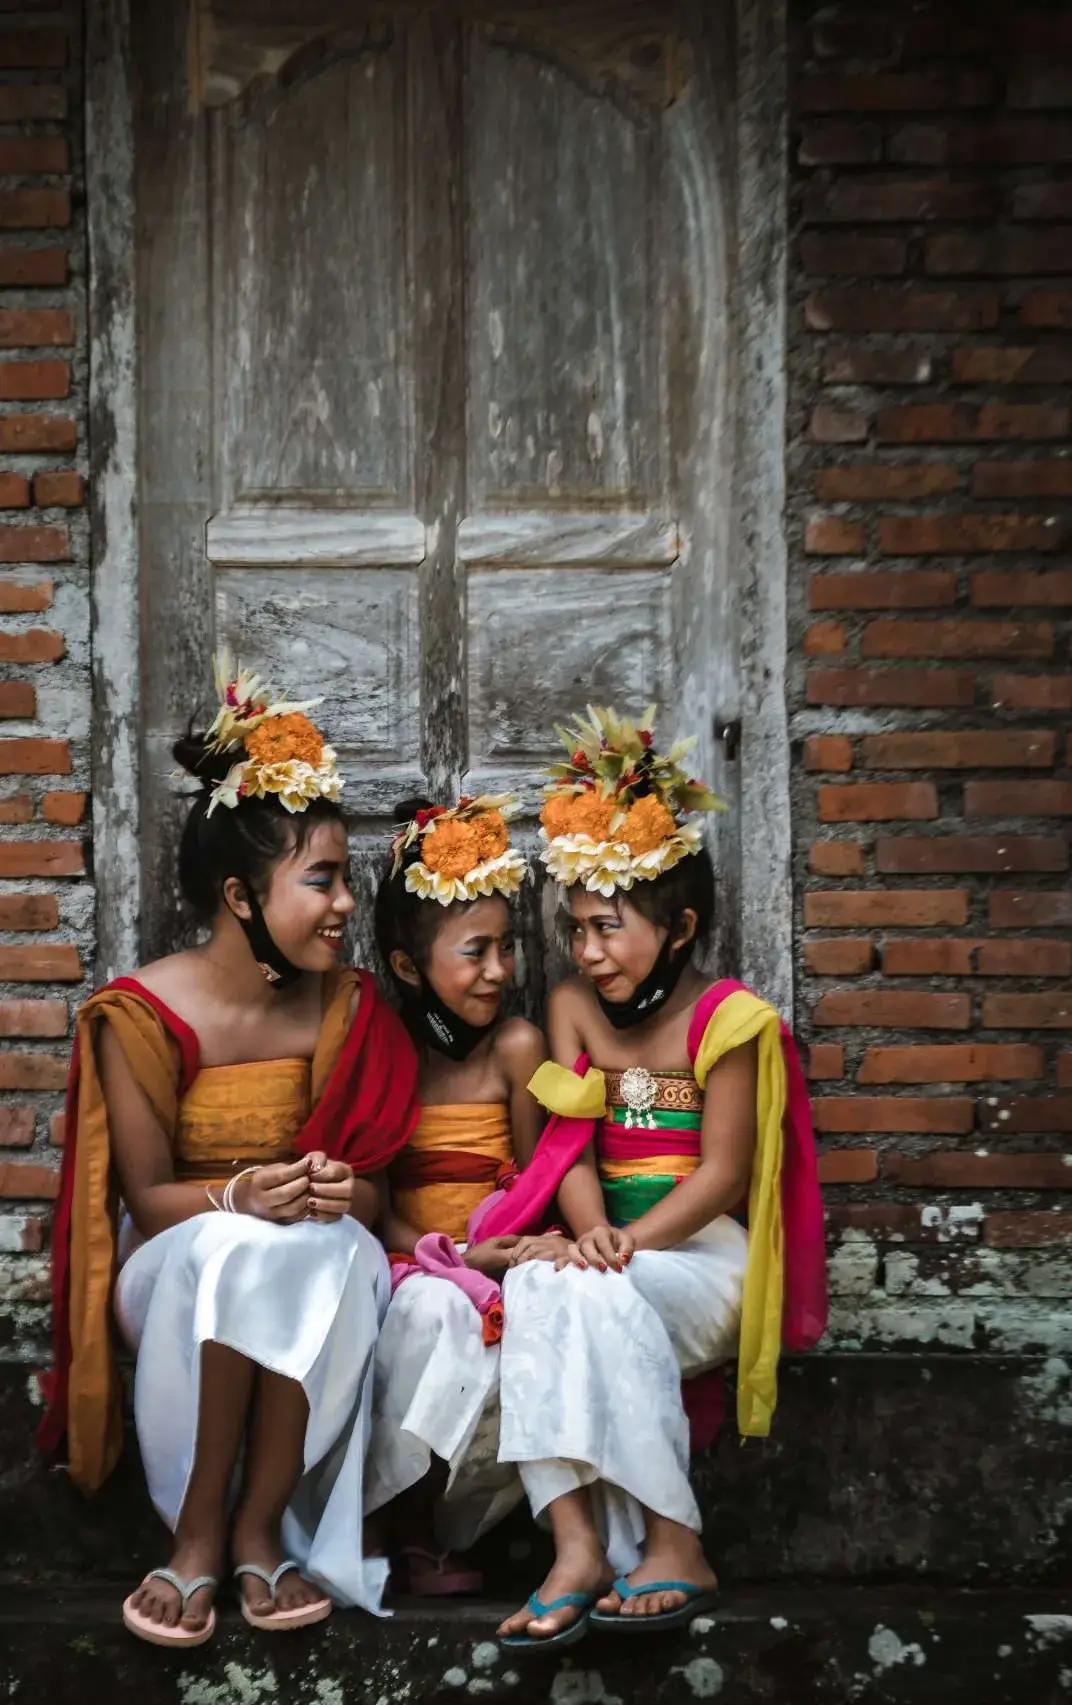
279	1193
331	1185
552	1246
607	1246
492	1256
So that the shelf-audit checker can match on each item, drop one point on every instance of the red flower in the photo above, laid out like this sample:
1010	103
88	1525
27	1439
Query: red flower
493	1323
426	814
466	799
646	738
579	761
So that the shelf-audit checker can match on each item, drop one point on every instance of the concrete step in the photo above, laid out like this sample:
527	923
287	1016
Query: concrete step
874	1646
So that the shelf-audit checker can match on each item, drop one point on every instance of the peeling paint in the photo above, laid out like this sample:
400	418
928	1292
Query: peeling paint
702	1676
887	1650
455	1678
1049	1630
580	1687
485	1655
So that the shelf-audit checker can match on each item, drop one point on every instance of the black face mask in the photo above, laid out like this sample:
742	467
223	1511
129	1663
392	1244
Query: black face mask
653	992
274	965
431	1021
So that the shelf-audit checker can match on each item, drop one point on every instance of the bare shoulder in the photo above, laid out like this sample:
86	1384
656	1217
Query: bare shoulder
570	999
170	977
520	1047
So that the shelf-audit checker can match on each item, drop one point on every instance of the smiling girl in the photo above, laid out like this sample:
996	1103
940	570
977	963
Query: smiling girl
444	928
243	1098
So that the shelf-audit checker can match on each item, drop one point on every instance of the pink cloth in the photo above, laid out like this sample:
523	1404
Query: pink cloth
523	1202
437	1255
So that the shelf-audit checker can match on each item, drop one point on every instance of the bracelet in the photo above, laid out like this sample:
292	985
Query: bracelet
228	1202
216	1204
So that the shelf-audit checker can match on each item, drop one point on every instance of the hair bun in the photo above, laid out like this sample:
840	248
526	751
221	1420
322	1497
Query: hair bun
193	754
407	809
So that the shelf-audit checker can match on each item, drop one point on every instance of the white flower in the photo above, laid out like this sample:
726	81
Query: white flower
503	875
607	867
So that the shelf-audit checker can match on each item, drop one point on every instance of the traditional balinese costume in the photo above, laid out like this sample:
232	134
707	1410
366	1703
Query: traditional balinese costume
437	1360
304	1300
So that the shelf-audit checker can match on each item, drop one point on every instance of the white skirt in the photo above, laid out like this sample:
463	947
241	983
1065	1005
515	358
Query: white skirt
304	1301
436	1393
590	1378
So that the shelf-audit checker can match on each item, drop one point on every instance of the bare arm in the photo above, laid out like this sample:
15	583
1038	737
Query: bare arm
580	1198
521	1050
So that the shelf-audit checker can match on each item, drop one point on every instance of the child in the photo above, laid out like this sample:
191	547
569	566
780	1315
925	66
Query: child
444	929
687	1114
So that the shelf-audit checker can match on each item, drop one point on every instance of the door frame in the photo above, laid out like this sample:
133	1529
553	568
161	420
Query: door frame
766	922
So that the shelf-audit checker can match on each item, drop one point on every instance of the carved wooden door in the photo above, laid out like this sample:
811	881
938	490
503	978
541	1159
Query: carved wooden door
433	360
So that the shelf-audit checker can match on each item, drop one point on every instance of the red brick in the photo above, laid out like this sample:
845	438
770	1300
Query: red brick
853	256
939	1115
35	758
877	802
953	1062
41	432
33	1018
978	1171
1047	308
33	266
998	253
40	964
28	911
849	366
957	638
900	308
39	49
21	1181
828	752
938	749
1026	1231
1004	142
828	535
23	597
16	808
826	1060
836	1166
902	1009
1051	910
992	366
66	809
41	858
1038	798
32	1071
888	589
1040	85
25	327
1022	479
841	956
16	1126
836	858
910	687
840	142
894	91
63	489
930	958
850	200
1042	30
960	423
1002	588
37	645
854	37
932	535
984	855
34	544
1033	692
19	101
903	908
1042	201
1064	1071
872	483
34	381
885	1221
21	154
1027	958
830	425
34	209
57	1130
823	639
1028	1012
14	492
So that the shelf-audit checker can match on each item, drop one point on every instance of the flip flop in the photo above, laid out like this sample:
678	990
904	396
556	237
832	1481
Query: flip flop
427	1574
303	1616
697	1600
567	1636
165	1634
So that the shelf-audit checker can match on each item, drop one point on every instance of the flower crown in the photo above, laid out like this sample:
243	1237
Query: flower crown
619	812
283	753
460	852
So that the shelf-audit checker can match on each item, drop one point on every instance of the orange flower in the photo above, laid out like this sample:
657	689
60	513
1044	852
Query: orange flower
281	739
451	848
578	814
492	835
647	825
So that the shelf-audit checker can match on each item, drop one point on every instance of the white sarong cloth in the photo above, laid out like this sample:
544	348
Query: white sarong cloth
590	1378
304	1301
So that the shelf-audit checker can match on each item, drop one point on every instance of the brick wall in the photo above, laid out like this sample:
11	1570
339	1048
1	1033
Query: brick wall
46	912
931	518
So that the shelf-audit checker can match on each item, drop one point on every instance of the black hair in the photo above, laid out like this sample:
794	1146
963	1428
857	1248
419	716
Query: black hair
246	841
401	919
690	885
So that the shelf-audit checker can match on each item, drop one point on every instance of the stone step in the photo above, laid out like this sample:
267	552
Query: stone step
873	1646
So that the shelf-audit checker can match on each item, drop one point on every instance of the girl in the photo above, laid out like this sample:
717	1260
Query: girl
245	1096
686	1110
444	929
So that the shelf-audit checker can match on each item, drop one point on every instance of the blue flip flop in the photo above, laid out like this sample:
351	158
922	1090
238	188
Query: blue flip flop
568	1636
697	1600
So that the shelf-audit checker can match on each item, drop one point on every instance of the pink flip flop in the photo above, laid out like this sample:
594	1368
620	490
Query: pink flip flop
427	1574
281	1621
162	1633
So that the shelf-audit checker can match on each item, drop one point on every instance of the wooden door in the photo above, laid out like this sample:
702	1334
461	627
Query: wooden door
434	358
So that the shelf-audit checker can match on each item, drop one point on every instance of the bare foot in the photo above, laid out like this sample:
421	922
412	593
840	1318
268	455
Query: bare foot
578	1568
161	1603
253	1543
679	1557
